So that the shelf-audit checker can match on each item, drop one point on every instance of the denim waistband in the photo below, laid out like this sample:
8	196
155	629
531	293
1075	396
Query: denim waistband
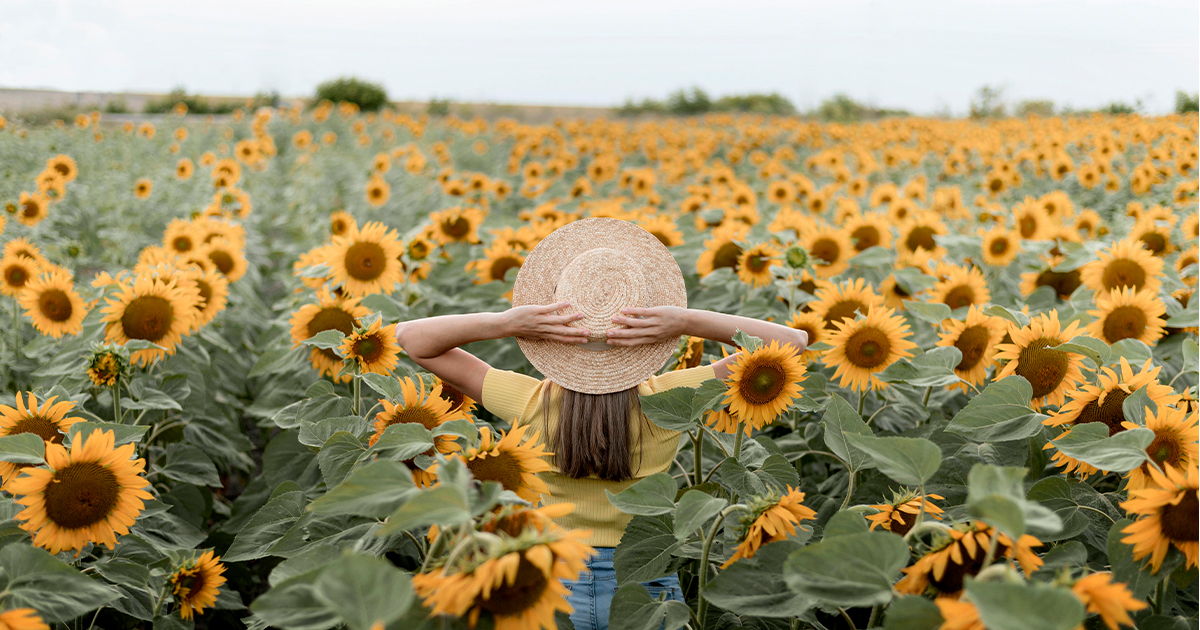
603	557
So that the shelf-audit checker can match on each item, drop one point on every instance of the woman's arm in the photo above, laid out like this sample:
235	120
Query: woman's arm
433	343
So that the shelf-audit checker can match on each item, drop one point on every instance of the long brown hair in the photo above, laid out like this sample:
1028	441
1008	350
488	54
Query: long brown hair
594	433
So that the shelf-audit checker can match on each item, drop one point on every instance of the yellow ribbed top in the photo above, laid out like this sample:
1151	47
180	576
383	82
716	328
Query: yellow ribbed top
517	398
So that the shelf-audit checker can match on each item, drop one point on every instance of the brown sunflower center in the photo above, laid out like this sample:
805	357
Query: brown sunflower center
1154	242
973	343
763	384
55	305
826	250
500	266
62	168
1180	521
368	349
500	466
865	236
1111	412
189	582
1123	272
1064	283
520	595
31	209
1044	369
905	523
1028	225
365	261
921	237
757	262
331	318
222	260
456	228
205	294
148	317
451	395
844	309
959	297
182	244
39	426
999	246
1124	322
995	184
376	191
727	256
81	494
1167	448
952	578
418	414
868	348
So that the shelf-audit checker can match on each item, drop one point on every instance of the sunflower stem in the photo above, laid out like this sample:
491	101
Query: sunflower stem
698	446
849	491
737	443
871	623
1160	594
925	398
862	401
162	597
356	390
846	616
702	603
118	416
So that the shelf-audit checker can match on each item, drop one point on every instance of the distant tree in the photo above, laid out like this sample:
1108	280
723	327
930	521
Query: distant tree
438	107
116	106
368	96
773	103
1121	107
988	103
646	106
1035	108
684	104
194	102
841	108
1185	102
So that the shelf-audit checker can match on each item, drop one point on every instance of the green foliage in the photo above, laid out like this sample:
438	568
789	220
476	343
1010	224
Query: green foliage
438	107
1185	102
368	96
696	101
195	104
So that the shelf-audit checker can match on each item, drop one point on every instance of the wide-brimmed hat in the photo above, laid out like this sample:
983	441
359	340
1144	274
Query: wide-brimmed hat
599	266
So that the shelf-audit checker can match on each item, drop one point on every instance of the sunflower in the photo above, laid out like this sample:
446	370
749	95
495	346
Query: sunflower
772	519
341	223
180	236
15	273
510	460
869	230
1030	219
863	347
196	584
1111	600
722	251
814	326
52	184
142	188
663	228
373	347
51	303
184	170
830	250
1174	445
427	408
763	384
1064	283
90	494
457	225
900	515
1125	264
214	292
32	208
107	366
960	553
378	191
1167	517
365	261
836	303
151	310
520	584
498	260
1051	373
976	337
1187	258
918	236
23	248
958	615
962	287
1155	236
64	166
328	314
755	263
49	422
21	618
1127	314
459	402
1000	246
226	256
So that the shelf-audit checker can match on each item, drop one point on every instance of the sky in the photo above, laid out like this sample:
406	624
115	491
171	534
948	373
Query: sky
924	56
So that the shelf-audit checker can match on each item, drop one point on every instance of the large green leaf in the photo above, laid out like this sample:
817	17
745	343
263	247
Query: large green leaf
1081	508
293	604
1025	606
840	419
364	590
912	613
849	570
646	549
35	579
22	448
934	368
338	455
1137	405
634	609
1090	443
755	586
910	461
648	497
374	490
695	509
266	527
1095	350
444	505
122	433
679	408
189	464
403	440
1000	413
996	495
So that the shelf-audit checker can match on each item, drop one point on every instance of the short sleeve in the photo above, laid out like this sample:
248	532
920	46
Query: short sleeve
508	394
691	377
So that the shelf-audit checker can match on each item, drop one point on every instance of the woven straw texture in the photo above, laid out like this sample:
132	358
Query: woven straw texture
600	266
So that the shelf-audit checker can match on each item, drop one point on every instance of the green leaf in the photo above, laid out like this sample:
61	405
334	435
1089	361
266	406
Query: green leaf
315	434
1095	350
737	478
403	441
364	590
1134	406
930	369
1132	350
1188	318
189	464
22	448
996	495
648	497
1079	506
909	461
266	527
36	579
912	613
338	455
385	385
671	409
1000	413
755	586
444	505
746	342
845	522
1191	356
634	609
912	280
932	312
151	399
840	419
460	428
778	473
1025	606
325	340
876	256
274	362
1090	443
695	509
293	604
374	490
1077	255
1017	318
122	433
849	570
646	549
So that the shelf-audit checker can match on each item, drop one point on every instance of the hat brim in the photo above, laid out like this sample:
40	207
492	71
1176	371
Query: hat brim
612	369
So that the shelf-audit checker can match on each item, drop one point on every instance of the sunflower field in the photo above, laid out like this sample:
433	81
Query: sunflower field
206	422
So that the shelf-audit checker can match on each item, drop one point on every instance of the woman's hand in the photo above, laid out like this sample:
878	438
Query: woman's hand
648	325
543	322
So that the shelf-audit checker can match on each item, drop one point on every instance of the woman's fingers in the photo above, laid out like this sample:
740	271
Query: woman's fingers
565	339
550	308
565	331
566	319
632	322
639	312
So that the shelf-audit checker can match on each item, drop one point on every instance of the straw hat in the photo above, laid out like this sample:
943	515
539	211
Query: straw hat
600	266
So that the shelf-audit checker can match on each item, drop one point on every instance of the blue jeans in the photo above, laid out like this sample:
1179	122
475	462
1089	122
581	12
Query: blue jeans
592	594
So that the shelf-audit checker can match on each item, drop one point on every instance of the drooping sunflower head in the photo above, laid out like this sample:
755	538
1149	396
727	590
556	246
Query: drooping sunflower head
1124	313
959	552
1125	264
1031	355
329	313
900	514
195	584
108	364
1111	600
152	310
1168	515
961	288
865	346
90	494
373	348
755	263
763	384
772	518
366	260
976	337
48	421
51	303
512	460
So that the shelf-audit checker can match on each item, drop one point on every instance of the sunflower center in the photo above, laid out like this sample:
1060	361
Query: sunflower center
332	318
55	305
865	236
39	426
999	246
995	184
205	294
842	310
1063	283
63	169
456	228
1028	226
757	263
973	343
1044	369
189	583
222	260
421	415
1180	521
500	266
31	209
921	237
365	261
1122	272
727	256
499	466
868	348
182	244
959	297
368	349
1167	448
520	595
451	395
1111	412
1154	242
1124	322
148	317
81	494
826	250
763	384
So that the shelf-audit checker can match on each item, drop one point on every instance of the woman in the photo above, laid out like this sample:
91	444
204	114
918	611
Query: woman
598	308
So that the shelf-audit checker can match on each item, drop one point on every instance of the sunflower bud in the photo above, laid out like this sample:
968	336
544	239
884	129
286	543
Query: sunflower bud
107	365
797	257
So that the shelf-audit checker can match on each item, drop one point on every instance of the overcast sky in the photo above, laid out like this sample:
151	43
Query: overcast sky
926	56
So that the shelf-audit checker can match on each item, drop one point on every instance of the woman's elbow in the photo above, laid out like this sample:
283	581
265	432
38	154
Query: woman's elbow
800	340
